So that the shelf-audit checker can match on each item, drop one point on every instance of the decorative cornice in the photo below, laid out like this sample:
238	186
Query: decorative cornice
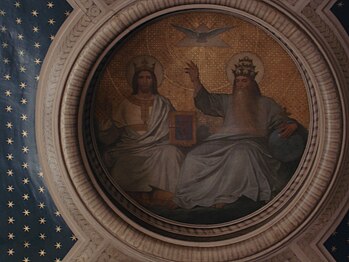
103	228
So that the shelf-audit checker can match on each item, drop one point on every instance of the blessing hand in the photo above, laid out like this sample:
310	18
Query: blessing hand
287	129
193	72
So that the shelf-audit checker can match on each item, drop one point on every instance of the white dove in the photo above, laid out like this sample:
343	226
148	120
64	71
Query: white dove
202	33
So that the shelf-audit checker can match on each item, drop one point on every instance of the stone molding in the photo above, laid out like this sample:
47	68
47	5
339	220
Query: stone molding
291	220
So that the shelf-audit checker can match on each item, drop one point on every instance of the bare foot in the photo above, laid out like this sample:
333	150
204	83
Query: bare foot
171	205
143	198
161	195
219	205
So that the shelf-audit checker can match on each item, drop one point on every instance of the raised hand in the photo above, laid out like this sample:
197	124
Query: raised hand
193	72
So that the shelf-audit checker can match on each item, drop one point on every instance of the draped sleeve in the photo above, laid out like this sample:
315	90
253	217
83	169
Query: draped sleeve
275	113
210	103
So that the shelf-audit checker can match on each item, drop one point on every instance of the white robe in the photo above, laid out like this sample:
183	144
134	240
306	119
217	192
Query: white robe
234	162
144	159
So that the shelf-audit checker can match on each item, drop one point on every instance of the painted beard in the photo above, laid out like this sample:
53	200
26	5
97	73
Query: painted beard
244	109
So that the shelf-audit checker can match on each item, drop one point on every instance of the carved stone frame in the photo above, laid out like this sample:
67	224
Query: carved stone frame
280	229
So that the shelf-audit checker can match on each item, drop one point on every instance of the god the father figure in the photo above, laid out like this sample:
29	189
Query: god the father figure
235	161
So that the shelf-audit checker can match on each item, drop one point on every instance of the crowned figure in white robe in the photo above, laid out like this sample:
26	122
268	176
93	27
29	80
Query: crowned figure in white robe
138	156
144	159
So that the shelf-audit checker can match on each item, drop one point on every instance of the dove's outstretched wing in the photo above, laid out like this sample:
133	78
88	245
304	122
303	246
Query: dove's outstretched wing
189	32
217	31
202	36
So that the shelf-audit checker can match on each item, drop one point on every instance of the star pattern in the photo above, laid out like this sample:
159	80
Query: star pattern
36	231
338	243
30	227
341	9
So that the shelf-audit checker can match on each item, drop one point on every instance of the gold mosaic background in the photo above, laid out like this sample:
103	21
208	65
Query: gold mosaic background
281	79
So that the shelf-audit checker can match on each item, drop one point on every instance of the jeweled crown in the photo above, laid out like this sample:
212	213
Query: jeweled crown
245	67
144	66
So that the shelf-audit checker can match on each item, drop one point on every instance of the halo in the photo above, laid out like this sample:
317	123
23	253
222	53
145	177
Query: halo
235	59
158	69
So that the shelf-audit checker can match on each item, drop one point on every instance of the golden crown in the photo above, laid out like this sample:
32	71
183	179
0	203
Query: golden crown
144	65
245	67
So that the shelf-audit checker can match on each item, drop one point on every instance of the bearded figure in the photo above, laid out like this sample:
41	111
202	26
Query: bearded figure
236	161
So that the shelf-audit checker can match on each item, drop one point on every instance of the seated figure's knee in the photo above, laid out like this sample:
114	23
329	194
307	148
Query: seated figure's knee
244	147
173	149
173	153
